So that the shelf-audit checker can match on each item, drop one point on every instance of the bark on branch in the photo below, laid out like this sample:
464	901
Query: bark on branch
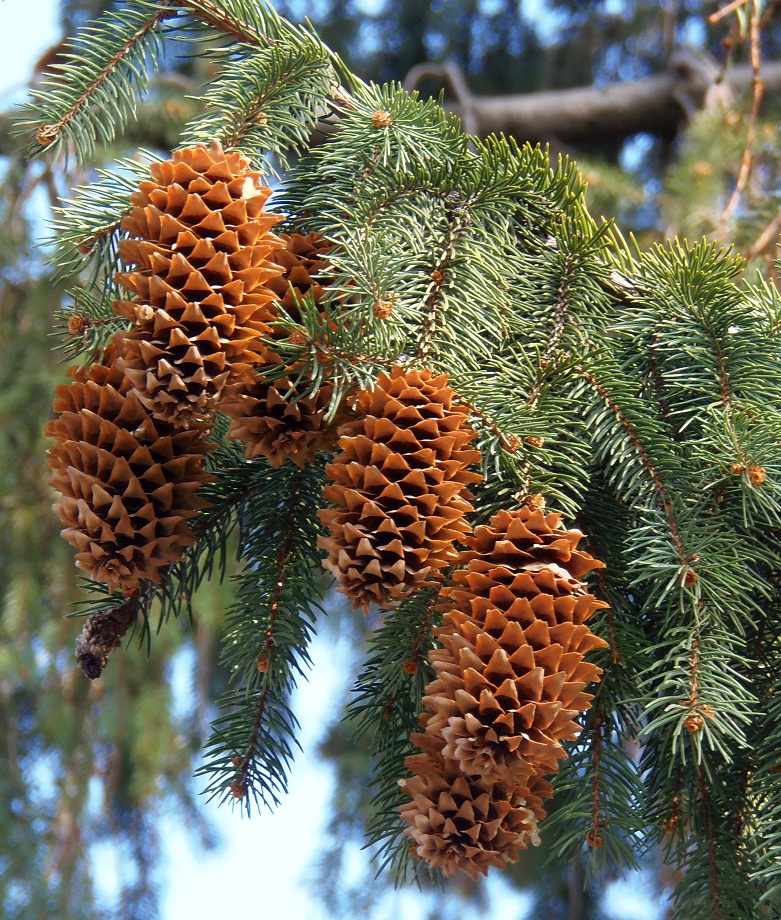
658	105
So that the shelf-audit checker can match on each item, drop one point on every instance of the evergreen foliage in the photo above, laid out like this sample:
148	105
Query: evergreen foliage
638	392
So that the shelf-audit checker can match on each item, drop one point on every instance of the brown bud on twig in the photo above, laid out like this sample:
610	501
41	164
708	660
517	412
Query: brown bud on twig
381	119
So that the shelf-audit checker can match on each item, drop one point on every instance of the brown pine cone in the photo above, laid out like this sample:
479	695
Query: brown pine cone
466	823
127	481
302	260
511	673
400	487
198	261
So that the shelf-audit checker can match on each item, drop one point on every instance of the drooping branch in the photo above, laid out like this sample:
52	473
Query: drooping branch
657	105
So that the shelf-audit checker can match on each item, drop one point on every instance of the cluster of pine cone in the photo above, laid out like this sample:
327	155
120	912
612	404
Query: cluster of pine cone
209	280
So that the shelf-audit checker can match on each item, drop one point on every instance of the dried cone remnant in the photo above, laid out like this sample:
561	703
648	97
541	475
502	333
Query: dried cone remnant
400	487
468	823
127	481
511	674
272	417
198	261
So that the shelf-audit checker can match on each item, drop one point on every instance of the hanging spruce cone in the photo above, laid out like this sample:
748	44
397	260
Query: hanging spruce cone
198	262
400	489
270	415
303	260
511	673
275	422
127	481
466	823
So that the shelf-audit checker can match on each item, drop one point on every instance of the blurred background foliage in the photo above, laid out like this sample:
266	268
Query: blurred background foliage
79	765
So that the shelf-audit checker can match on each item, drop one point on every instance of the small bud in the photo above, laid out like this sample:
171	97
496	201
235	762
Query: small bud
236	761
261	119
756	475
511	444
534	441
238	790
690	578
536	502
297	337
737	468
263	664
693	723
708	711
78	324
671	824
85	246
381	119
383	309
46	134
594	840
437	277
410	666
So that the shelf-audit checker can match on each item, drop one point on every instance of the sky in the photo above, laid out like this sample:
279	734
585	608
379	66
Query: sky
261	865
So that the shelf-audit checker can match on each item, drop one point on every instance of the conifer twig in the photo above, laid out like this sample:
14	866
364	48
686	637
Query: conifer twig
707	820
264	660
49	133
458	221
211	14
663	495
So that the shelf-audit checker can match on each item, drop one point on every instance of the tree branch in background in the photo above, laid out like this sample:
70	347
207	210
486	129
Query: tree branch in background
656	105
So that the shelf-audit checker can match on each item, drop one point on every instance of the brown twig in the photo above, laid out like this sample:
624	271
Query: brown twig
596	824
239	785
725	11
211	14
758	90
663	496
766	237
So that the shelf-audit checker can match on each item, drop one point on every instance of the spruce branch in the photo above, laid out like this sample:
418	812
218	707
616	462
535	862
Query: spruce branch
267	634
103	73
664	498
458	220
708	829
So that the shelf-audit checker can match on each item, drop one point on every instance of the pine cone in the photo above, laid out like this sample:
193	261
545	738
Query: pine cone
400	487
275	424
467	823
511	673
127	481
198	258
302	260
269	415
